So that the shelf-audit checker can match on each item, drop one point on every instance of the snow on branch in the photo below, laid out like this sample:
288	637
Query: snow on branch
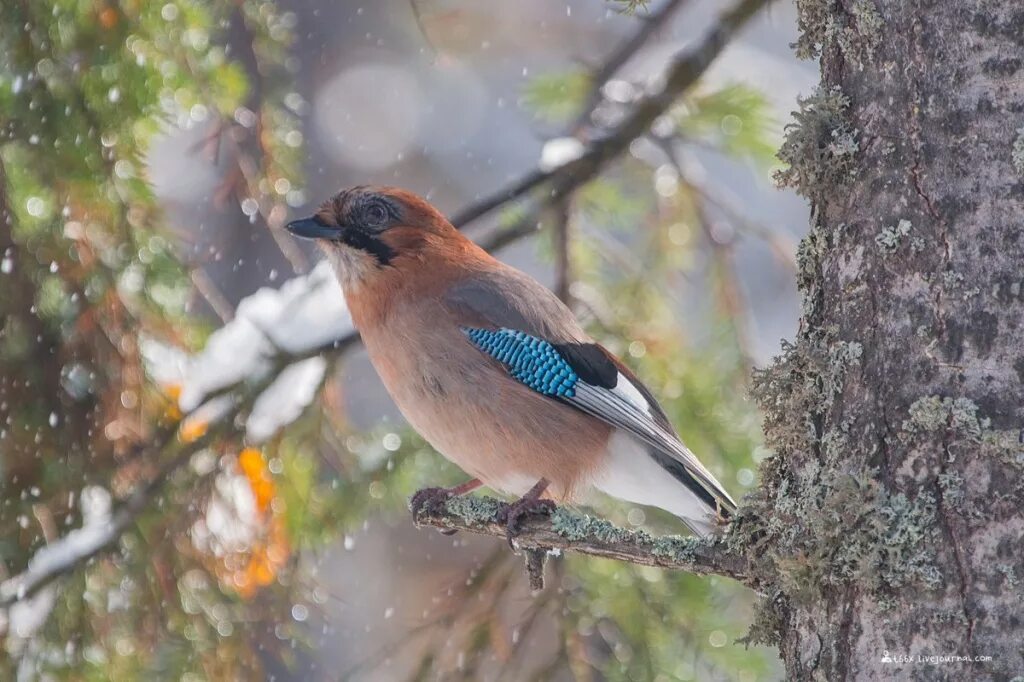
282	334
100	529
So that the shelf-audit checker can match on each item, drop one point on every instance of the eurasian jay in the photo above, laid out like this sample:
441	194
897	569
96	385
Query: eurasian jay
495	372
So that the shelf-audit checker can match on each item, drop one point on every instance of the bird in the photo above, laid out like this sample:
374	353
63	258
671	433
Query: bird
496	373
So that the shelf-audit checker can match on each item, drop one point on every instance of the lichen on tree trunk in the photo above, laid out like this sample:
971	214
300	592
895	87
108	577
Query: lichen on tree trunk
889	523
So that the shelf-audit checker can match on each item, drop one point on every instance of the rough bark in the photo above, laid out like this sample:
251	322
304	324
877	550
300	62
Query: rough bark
890	518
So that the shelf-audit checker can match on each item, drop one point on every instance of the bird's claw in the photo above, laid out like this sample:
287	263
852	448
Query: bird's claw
428	499
511	514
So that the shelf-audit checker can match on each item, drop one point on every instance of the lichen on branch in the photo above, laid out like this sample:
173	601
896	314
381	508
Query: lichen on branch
566	530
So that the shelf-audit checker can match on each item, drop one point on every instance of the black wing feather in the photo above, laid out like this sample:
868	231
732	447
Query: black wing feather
590	362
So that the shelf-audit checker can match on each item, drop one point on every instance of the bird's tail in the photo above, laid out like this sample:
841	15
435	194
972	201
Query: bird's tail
640	473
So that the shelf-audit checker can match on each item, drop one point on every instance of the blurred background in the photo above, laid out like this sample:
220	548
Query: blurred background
202	478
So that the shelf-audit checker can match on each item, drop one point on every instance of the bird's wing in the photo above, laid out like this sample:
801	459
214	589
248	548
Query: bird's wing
505	297
525	328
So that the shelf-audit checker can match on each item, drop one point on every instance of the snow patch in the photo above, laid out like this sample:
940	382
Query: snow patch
285	399
559	151
305	313
26	616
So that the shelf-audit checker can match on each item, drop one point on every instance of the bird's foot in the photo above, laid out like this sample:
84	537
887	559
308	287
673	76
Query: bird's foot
429	499
433	499
511	514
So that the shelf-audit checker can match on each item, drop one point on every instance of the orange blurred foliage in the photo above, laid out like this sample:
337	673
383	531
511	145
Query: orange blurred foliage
270	553
192	429
251	462
108	17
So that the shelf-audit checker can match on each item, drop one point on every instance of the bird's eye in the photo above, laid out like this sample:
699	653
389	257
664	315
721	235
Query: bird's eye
375	215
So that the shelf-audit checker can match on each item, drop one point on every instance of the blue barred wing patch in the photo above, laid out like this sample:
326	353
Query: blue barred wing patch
530	360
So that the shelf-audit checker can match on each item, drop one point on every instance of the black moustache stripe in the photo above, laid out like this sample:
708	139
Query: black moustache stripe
358	239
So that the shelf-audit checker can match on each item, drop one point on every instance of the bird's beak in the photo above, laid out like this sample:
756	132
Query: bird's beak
312	228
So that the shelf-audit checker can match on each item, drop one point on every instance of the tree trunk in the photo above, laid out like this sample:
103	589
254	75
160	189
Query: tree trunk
889	526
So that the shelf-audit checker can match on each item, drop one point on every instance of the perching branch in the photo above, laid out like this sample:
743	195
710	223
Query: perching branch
565	530
683	73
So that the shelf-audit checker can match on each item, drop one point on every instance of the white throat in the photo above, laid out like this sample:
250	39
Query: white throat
351	266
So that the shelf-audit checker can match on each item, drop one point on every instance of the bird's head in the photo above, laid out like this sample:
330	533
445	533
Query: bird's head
371	231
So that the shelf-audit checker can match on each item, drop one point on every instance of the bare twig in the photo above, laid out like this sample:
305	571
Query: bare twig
731	300
569	531
535	560
782	247
209	290
502	237
729	291
619	57
512	192
252	156
563	249
90	541
417	17
683	72
475	597
603	74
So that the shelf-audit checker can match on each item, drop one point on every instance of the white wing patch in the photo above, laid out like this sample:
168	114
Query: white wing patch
630	474
627	409
625	388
